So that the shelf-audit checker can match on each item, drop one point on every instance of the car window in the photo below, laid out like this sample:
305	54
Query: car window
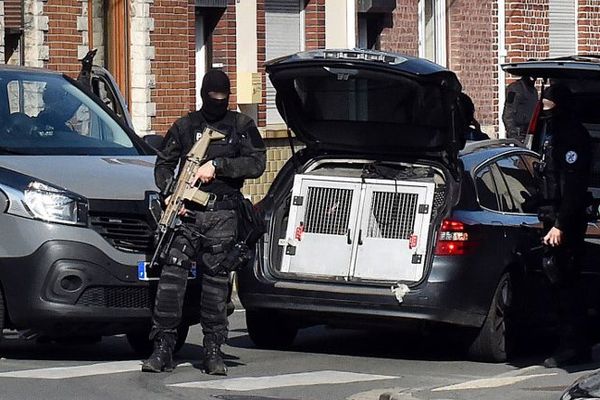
50	115
520	182
486	189
105	91
504	198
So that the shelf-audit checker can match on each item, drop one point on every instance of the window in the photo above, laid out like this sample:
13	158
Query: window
504	197
520	182
486	189
562	27
284	35
432	30
49	115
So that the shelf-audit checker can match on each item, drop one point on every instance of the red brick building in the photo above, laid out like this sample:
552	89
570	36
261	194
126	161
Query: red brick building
158	50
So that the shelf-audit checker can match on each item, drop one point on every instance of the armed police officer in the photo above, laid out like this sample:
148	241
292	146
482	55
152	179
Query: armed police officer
564	173
521	99
207	233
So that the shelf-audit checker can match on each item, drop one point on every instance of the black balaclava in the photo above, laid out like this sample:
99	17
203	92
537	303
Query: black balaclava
214	81
560	95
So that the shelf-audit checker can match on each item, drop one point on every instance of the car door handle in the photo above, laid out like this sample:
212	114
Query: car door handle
496	223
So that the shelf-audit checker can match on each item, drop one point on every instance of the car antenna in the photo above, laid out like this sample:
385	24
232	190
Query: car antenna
290	139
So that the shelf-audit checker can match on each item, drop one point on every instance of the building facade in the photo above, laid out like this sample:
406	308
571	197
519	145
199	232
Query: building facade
158	50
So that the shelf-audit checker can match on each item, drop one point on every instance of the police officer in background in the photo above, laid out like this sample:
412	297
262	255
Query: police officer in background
472	130
206	233
564	173
521	99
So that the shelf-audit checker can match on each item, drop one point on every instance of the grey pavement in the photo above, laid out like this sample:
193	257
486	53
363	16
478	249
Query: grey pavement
324	363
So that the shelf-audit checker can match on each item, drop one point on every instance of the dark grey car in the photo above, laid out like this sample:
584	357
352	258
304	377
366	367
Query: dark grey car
379	219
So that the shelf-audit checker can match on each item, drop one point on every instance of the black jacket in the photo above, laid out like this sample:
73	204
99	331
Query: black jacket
240	155
521	99
566	156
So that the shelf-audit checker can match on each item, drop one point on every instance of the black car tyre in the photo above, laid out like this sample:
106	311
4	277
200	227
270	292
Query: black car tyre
268	330
2	313
142	345
492	342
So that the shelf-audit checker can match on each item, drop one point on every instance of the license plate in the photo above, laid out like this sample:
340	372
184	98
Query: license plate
145	273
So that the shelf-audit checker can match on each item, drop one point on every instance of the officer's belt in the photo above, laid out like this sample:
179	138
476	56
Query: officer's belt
222	202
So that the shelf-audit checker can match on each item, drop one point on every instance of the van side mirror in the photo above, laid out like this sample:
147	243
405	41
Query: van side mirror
154	141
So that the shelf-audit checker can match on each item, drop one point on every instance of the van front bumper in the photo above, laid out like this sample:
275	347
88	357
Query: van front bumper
68	287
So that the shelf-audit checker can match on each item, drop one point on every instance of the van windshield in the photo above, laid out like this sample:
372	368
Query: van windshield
45	114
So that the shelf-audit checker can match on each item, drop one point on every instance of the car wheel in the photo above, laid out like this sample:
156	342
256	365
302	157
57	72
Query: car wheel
492	343
268	330
2	313
142	346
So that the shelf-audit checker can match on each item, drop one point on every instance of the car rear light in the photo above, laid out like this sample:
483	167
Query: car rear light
453	239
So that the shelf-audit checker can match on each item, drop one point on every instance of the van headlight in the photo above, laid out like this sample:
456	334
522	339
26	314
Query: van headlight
52	204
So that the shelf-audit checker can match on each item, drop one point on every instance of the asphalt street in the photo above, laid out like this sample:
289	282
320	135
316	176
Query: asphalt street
324	363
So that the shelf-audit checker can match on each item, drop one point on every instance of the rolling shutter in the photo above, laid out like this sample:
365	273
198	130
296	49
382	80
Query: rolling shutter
282	20
563	27
12	14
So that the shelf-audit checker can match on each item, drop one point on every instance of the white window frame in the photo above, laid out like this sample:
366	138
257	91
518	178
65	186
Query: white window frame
440	44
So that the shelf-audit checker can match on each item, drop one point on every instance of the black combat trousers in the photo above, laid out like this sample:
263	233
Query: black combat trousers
563	270
205	238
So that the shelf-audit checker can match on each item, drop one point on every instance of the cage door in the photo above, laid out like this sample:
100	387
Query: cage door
393	231
321	227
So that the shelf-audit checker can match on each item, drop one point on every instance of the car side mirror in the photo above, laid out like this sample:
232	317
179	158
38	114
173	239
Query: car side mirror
154	141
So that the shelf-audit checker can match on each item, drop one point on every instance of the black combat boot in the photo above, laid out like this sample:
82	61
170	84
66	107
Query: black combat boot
162	356
213	360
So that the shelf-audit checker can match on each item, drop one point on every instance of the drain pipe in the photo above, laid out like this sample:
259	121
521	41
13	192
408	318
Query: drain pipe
502	53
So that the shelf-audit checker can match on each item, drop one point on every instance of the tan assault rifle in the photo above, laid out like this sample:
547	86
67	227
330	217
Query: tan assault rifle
184	191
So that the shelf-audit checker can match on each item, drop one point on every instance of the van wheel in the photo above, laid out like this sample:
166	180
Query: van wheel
492	343
142	346
268	330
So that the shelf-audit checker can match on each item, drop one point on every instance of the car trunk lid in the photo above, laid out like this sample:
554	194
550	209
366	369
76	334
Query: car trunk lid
368	102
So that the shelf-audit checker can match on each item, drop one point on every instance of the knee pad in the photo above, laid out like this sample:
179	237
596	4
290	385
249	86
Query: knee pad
215	290
169	297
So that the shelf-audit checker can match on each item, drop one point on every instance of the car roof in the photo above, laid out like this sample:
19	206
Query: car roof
20	68
478	152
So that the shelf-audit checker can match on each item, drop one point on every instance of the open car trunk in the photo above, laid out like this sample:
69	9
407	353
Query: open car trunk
350	220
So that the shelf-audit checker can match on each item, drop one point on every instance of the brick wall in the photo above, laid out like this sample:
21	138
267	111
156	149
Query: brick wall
278	152
315	24
473	56
224	48
173	40
526	29
400	34
63	38
588	27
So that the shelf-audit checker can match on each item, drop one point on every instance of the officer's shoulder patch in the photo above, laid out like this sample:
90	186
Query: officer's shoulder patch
510	98
571	157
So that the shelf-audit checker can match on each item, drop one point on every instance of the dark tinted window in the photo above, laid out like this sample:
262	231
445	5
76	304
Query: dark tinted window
349	95
486	189
520	183
504	197
48	115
